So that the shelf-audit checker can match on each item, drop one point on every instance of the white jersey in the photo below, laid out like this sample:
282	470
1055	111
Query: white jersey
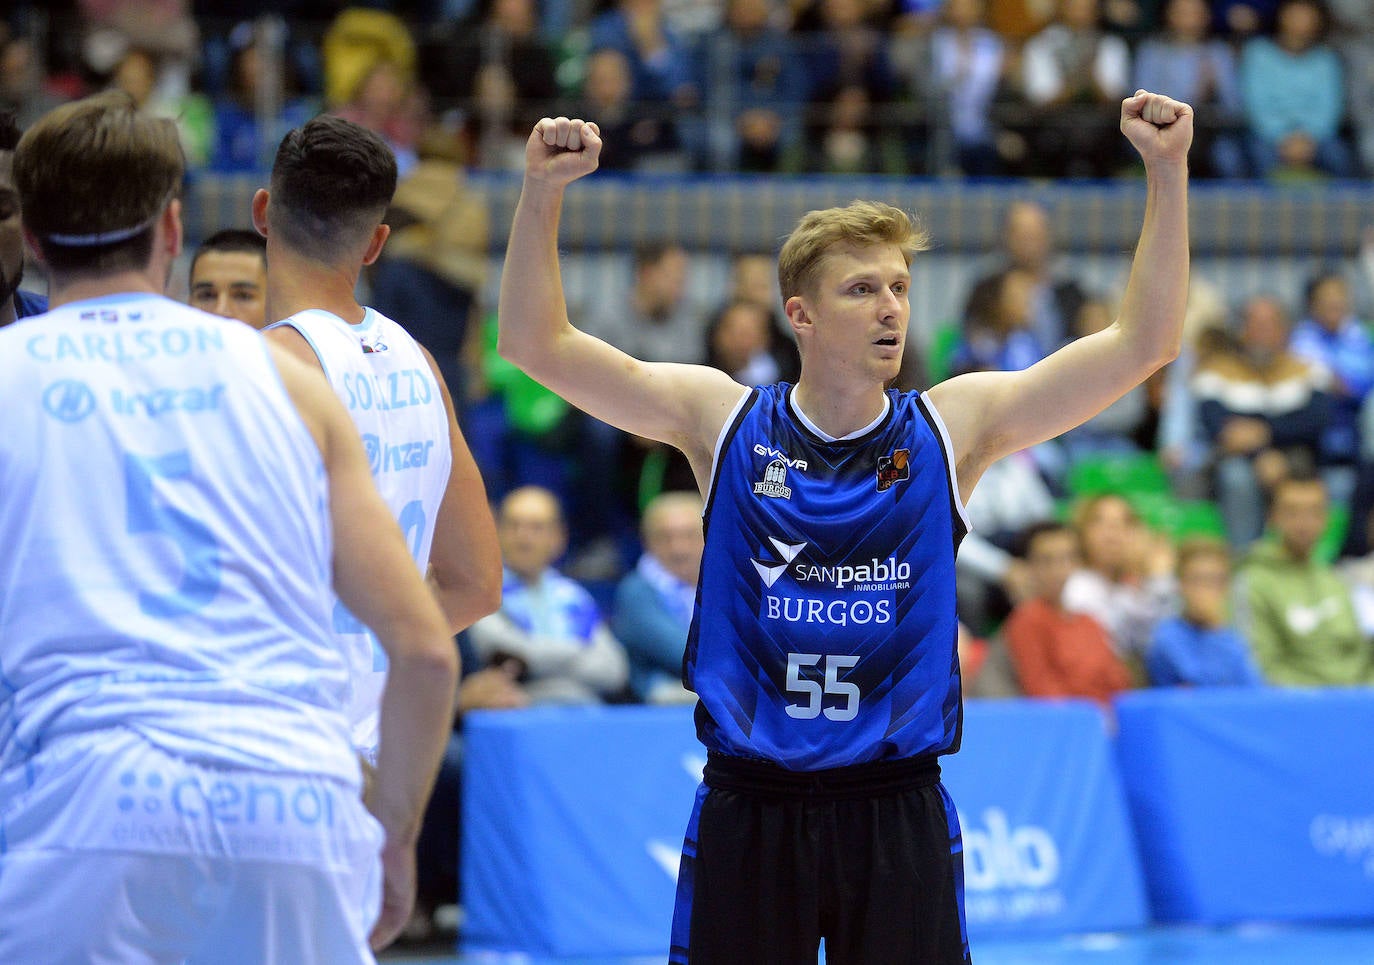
165	547
385	380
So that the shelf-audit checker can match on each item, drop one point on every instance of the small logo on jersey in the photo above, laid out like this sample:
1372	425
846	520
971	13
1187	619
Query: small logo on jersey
761	450
69	400
372	344
774	481
893	468
373	447
770	569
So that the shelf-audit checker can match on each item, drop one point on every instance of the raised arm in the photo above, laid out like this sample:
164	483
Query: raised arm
682	405
993	414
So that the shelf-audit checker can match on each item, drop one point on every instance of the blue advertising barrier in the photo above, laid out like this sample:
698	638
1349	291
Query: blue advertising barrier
573	821
572	828
1047	837
1252	804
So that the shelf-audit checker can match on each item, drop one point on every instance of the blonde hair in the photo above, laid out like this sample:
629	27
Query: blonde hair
859	223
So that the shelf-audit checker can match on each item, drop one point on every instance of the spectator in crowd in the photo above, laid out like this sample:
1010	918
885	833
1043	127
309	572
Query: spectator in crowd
967	62
1028	243
356	41
243	143
434	265
1011	496
503	65
1263	410
1293	607
14	302
743	342
653	604
138	74
1333	336
229	276
1057	651
25	90
846	61
1180	443
1240	20
853	138
753	68
549	633
1201	647
657	319
387	102
660	63
999	338
1126	580
1074	76
1200	69
644	135
1293	87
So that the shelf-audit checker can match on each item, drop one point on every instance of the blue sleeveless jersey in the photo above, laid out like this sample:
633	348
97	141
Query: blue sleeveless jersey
825	630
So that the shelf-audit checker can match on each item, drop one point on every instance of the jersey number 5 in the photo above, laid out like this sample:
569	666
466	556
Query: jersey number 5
805	685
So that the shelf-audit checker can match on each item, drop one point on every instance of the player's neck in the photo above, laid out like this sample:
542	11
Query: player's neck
8	313
295	284
838	410
81	288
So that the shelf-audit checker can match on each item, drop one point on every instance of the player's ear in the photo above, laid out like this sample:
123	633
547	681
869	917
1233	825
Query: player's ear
795	310
374	245
171	226
260	200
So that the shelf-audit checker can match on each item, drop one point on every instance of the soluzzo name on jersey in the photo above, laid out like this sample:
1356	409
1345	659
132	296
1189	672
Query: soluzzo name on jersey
395	390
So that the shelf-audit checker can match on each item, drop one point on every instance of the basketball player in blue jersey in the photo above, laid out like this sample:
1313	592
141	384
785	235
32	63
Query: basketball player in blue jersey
331	183
823	648
176	498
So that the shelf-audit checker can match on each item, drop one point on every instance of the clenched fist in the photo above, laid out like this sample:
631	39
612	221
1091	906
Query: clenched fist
561	150
1159	127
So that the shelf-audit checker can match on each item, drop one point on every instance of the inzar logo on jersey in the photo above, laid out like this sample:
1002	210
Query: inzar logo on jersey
69	400
372	343
893	468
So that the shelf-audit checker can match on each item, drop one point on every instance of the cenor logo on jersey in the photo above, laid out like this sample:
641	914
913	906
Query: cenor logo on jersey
372	343
893	468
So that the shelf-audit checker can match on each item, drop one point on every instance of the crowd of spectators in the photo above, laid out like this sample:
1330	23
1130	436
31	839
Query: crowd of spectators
924	87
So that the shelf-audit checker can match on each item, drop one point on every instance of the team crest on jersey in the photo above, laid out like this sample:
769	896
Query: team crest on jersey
774	481
372	344
893	468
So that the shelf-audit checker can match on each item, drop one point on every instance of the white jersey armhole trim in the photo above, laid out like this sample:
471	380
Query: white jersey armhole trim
290	322
295	415
720	442
948	446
